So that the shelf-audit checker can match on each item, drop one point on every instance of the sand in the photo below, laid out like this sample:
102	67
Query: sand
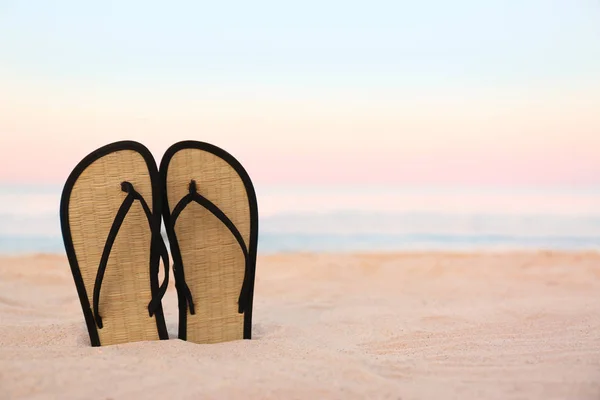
403	326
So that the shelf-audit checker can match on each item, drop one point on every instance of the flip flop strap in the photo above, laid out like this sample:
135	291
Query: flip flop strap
157	245
194	196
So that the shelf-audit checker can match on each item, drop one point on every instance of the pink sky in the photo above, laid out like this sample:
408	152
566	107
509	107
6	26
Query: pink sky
503	136
462	92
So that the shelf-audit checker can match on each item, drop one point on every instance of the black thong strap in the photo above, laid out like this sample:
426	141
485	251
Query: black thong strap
157	245
194	196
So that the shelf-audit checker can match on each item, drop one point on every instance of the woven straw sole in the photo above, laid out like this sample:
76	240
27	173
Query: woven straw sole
213	262
90	209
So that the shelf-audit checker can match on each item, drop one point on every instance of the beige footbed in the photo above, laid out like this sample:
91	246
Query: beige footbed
94	202
212	259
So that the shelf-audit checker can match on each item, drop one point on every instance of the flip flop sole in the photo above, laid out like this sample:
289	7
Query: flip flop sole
207	256
91	198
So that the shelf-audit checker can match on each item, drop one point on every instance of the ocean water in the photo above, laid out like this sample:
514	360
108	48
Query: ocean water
364	218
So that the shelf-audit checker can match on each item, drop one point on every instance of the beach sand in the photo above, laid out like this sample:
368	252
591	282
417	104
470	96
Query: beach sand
401	326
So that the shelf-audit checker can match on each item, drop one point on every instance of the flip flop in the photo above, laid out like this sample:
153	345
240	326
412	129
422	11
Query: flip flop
211	218
110	219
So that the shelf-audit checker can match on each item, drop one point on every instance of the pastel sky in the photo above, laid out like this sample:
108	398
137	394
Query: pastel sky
328	92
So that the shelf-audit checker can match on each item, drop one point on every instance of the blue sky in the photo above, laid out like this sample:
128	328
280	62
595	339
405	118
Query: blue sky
450	92
493	42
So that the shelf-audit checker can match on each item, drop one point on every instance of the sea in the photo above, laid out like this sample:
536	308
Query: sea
363	218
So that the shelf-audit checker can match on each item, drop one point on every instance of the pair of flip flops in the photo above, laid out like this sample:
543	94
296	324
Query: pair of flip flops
111	212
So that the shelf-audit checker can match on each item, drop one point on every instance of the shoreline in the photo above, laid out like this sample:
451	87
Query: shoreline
373	253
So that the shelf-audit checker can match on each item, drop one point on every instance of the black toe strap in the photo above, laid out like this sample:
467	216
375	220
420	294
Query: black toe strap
156	300
194	196
183	288
132	195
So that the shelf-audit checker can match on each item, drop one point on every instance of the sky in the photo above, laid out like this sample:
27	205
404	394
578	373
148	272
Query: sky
501	92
